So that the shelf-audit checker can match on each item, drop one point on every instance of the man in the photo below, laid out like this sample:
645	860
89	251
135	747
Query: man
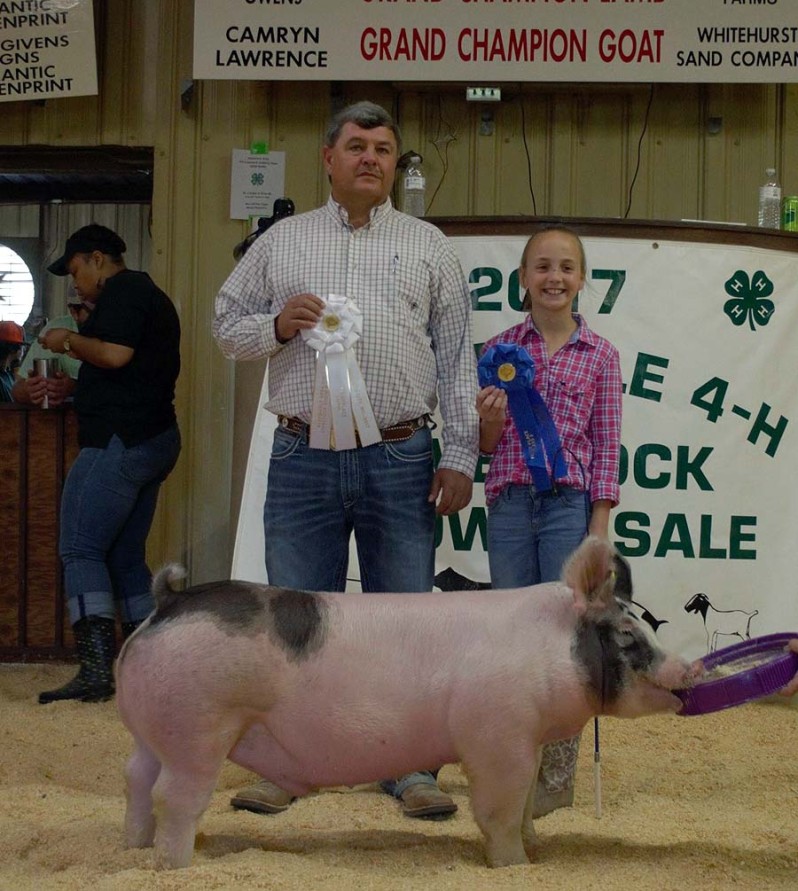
414	348
129	349
31	388
12	340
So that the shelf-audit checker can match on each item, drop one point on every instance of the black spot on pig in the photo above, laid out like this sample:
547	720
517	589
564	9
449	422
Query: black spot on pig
611	650
298	620
598	656
634	649
239	606
623	578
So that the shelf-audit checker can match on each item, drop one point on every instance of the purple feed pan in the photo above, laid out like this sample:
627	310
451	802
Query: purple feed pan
746	671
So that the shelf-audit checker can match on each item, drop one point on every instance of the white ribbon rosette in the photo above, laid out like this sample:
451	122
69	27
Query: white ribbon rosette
340	400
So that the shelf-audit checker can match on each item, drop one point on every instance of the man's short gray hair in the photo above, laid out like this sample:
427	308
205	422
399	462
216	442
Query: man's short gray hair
367	115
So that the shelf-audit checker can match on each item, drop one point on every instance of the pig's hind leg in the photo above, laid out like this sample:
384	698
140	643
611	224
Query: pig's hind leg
181	796
141	772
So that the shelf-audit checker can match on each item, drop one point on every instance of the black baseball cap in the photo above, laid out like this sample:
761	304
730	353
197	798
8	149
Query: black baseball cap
93	237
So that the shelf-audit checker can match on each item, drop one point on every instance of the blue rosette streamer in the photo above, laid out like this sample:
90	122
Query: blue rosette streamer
511	368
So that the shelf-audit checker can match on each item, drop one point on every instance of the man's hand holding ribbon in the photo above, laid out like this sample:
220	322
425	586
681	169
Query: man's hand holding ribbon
340	399
301	312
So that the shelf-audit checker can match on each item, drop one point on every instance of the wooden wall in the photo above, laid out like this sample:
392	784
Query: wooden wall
668	152
37	448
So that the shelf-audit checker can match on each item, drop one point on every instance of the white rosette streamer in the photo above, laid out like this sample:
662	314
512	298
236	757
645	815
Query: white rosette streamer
340	400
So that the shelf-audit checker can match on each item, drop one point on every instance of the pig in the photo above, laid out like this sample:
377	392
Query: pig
317	689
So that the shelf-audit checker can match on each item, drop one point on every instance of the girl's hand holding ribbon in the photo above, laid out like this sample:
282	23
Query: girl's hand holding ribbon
492	405
492	410
510	368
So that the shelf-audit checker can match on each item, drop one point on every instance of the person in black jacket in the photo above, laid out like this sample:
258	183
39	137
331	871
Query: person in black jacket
129	441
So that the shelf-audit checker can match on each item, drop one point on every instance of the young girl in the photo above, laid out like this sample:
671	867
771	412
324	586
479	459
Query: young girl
577	374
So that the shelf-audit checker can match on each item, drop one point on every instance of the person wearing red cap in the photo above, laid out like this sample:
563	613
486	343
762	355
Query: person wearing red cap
12	339
129	348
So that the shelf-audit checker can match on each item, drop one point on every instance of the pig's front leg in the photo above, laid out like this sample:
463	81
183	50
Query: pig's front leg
528	828
141	772
499	795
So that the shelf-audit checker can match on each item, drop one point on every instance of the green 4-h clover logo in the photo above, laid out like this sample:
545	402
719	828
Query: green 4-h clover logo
256	179
749	299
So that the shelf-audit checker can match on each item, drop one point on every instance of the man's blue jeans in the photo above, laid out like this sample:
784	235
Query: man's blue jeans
316	499
106	513
531	534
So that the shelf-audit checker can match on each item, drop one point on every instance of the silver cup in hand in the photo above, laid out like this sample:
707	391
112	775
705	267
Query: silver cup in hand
45	368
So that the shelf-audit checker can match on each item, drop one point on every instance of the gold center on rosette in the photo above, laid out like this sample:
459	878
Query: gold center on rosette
506	372
331	322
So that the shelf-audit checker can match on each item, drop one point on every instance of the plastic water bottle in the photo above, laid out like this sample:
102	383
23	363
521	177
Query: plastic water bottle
770	202
414	188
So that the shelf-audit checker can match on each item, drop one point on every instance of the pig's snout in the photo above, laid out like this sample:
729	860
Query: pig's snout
677	674
694	672
664	683
697	670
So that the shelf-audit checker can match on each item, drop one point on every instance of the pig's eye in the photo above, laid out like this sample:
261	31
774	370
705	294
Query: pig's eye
628	636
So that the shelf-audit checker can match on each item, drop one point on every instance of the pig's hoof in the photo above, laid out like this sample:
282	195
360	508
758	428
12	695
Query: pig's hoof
427	801
512	858
262	798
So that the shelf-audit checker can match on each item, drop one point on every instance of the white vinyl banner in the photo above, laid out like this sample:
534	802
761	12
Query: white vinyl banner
47	49
709	509
721	41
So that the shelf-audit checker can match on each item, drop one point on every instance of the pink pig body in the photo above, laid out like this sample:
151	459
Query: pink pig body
312	690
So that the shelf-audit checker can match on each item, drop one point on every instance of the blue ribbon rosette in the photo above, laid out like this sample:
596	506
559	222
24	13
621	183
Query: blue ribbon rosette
511	368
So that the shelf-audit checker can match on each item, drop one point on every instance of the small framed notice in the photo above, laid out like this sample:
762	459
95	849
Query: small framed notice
255	181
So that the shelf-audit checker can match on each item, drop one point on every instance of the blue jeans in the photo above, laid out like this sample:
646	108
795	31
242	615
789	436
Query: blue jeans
530	535
316	499
106	512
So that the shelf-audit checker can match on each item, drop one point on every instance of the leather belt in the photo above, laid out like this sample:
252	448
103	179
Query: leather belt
395	433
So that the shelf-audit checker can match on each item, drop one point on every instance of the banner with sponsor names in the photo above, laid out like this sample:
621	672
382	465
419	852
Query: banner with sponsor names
47	49
709	509
723	41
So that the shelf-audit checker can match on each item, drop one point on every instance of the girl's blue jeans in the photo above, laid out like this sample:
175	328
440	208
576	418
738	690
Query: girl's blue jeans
107	509
531	534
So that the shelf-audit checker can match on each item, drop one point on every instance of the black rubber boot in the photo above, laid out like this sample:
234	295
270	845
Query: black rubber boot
96	642
128	628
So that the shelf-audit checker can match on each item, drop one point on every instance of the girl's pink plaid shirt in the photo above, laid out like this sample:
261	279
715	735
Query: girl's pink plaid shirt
581	386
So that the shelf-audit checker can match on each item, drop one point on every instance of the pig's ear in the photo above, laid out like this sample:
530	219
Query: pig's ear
590	573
